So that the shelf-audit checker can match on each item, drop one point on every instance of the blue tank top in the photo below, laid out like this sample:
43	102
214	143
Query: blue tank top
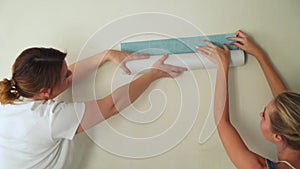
270	164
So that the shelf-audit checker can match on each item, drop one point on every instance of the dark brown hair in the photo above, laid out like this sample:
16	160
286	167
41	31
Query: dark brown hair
34	69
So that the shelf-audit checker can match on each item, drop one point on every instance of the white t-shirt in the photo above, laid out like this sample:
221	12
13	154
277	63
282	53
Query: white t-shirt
37	134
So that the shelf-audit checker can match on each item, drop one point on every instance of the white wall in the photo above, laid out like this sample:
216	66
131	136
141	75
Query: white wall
67	25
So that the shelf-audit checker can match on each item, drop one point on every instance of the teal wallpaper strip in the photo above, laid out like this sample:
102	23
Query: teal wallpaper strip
176	45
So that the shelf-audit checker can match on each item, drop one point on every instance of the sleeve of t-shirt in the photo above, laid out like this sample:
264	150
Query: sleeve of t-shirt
65	119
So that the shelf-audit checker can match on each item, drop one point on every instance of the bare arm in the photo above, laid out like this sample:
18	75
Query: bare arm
90	64
246	43
125	95
236	149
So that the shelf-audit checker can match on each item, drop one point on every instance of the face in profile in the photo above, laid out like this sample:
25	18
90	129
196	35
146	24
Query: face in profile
265	121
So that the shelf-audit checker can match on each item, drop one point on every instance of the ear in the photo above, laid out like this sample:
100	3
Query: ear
45	93
278	138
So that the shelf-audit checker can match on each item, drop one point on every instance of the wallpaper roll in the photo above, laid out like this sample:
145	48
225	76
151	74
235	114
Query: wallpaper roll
182	52
188	60
176	45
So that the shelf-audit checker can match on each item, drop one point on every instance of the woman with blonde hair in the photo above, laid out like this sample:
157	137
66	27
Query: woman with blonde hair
280	120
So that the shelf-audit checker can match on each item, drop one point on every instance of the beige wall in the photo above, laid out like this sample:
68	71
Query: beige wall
67	25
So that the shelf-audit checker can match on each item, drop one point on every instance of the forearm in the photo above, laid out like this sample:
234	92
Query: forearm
127	94
275	82
221	108
246	43
115	102
88	65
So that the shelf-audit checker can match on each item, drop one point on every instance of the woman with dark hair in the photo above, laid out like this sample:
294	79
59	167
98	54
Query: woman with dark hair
280	120
35	130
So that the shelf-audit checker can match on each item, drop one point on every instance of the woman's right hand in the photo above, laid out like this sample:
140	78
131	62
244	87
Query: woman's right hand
246	43
160	69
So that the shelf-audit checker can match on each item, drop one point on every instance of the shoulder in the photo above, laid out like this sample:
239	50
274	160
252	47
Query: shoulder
61	106
52	106
253	161
41	108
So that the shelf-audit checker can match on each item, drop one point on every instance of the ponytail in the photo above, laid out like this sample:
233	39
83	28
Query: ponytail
8	91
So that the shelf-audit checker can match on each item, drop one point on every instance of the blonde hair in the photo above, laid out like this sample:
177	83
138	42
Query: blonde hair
286	120
34	69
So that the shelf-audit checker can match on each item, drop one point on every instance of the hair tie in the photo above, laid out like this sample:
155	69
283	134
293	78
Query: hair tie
13	87
12	82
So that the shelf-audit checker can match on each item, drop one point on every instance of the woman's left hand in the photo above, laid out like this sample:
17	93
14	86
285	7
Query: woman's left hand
214	53
120	58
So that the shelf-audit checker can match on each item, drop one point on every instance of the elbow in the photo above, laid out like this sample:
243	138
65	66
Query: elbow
114	110
109	112
107	107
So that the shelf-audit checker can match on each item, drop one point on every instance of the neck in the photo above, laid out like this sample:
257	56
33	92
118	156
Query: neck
290	155
39	98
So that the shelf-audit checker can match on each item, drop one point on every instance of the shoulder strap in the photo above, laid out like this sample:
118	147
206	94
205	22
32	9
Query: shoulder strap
287	163
270	164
